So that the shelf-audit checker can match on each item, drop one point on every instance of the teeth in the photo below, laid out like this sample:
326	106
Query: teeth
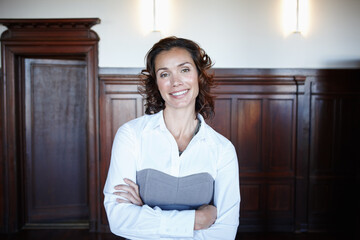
179	93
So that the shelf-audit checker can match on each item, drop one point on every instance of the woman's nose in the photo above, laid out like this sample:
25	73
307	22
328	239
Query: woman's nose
176	81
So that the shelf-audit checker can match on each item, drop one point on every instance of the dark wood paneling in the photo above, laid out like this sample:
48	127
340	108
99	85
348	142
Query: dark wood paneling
257	113
295	140
253	210
119	103
347	148
280	198
44	39
289	181
302	159
222	120
280	135
250	194
266	145
334	156
322	156
249	120
3	192
55	121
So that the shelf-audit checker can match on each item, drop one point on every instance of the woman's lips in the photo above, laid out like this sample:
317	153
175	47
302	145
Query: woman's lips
179	93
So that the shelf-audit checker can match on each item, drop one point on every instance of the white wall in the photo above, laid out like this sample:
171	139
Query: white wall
235	33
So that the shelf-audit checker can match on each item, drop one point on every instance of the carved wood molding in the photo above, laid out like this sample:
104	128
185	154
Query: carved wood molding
49	29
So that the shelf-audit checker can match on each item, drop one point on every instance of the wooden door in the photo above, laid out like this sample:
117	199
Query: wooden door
61	39
55	165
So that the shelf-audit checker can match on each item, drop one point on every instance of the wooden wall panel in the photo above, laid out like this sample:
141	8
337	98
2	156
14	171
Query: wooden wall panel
282	128
280	135
122	110
55	165
295	141
322	157
253	210
3	190
265	145
334	156
263	126
296	137
280	198
35	38
250	197
249	119
348	151
222	119
119	103
258	114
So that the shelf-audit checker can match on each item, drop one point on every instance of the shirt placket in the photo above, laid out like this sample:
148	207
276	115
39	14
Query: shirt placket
175	159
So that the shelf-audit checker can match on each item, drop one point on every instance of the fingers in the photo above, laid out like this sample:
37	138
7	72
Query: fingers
119	200
212	211
129	198
130	192
126	188
133	185
205	216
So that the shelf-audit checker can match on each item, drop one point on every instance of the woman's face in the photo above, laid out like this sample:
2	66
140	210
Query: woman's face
177	78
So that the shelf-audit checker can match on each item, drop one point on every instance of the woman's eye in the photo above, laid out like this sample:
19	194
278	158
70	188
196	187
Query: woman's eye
185	70
162	75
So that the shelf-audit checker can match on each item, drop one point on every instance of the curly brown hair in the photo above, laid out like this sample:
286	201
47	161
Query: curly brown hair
149	89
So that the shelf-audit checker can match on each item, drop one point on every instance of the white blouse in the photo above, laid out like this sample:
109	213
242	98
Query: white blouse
146	143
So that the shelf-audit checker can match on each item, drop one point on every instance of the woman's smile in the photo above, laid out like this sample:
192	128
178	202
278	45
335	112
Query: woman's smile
179	93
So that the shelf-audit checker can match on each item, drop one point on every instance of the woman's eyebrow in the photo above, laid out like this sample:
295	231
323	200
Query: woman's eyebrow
182	64
164	68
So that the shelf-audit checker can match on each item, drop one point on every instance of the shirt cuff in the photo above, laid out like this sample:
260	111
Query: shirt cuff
177	223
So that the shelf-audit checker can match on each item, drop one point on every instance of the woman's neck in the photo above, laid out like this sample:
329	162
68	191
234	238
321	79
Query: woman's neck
180	122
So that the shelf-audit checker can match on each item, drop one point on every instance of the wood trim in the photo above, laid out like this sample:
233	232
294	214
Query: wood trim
86	23
49	29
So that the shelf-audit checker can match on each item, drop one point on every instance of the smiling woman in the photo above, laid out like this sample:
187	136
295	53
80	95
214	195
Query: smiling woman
177	79
191	56
171	175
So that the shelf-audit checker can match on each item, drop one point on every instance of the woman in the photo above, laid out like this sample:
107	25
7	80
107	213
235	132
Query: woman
171	175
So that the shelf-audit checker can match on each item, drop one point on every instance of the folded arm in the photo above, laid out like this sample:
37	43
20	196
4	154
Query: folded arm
137	221
226	199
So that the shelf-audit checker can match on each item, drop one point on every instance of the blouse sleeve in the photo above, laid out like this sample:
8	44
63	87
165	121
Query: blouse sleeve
132	221
226	199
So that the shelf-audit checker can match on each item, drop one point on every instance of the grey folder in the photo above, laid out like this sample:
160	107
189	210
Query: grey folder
175	193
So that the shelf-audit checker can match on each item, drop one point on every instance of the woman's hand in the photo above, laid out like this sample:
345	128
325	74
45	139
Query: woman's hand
205	216
129	191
